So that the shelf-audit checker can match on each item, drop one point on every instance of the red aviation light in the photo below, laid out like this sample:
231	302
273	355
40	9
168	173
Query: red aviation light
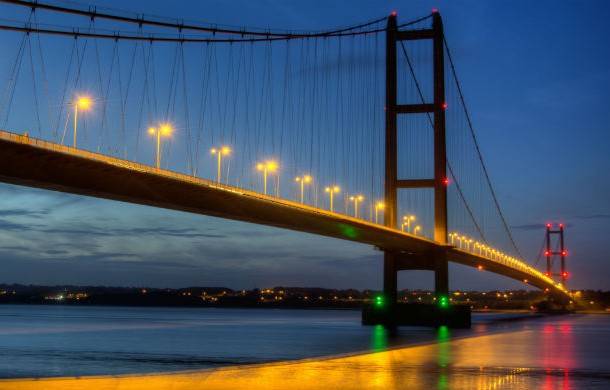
561	225
394	13
547	253
549	225
564	253
444	105
446	181
435	10
565	274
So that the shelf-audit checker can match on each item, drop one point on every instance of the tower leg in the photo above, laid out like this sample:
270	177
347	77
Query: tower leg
390	279
441	276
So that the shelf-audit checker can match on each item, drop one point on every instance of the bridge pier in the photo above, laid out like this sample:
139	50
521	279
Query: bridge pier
388	311
441	275
390	279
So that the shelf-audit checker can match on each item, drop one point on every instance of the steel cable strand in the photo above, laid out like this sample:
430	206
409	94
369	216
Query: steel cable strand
478	150
12	82
45	81
412	71
35	93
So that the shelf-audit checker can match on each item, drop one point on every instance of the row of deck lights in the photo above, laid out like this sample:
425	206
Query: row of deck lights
165	129
468	244
271	167
84	103
266	168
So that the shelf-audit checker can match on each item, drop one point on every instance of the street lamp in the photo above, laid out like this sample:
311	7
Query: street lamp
83	103
378	206
164	130
222	151
332	190
356	199
407	219
478	246
266	167
416	229
302	180
452	237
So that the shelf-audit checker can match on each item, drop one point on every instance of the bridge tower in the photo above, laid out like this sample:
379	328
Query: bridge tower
394	262
549	253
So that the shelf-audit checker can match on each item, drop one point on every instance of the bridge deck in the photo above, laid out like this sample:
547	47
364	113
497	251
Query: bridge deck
36	163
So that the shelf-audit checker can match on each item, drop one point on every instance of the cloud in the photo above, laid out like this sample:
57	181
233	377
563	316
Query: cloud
56	252
542	226
181	232
149	264
24	213
14	226
593	216
528	227
86	230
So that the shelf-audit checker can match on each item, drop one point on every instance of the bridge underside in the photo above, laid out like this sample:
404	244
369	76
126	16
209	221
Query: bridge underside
34	163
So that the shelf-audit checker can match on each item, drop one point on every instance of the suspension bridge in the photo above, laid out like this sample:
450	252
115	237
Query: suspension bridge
359	133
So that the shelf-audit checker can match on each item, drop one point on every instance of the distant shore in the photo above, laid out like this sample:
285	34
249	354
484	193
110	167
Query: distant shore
594	302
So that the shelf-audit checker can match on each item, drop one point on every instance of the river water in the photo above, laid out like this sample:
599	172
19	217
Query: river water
564	352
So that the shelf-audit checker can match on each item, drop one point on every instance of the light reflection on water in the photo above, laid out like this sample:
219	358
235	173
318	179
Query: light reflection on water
563	352
379	338
444	355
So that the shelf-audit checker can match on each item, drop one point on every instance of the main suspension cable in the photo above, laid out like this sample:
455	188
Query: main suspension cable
75	32
93	13
457	185
478	150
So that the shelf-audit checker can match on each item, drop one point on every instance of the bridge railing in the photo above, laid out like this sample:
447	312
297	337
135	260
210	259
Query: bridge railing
520	266
139	167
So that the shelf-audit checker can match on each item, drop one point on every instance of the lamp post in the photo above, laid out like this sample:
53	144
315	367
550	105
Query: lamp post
356	199
416	229
332	190
163	130
452	238
302	180
222	151
407	219
266	167
378	206
83	103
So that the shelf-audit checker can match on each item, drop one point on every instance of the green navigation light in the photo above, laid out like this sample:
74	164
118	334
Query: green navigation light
443	302
379	301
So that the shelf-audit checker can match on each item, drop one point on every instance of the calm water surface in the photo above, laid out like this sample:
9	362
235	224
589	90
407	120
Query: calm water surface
43	341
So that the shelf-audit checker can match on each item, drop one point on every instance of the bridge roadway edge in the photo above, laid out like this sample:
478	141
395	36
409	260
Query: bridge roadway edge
35	163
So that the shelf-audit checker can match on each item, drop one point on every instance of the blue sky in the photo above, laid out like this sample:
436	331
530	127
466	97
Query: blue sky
536	77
